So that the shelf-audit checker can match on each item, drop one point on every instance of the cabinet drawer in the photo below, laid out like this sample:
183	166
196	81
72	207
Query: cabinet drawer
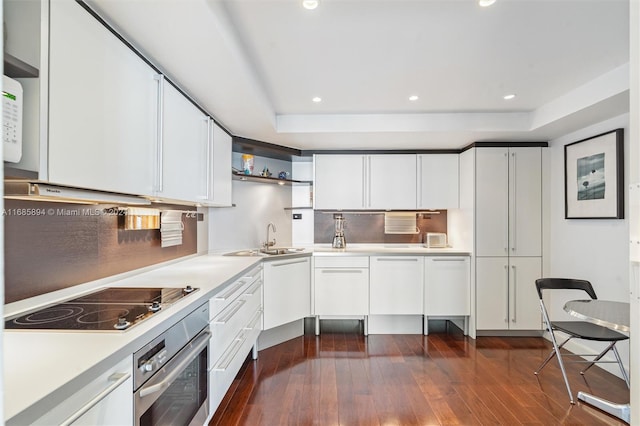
221	300
236	317
342	262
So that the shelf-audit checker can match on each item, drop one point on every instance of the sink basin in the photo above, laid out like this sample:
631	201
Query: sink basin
271	251
280	250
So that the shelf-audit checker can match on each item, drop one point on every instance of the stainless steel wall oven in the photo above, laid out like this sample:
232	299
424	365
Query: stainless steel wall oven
170	374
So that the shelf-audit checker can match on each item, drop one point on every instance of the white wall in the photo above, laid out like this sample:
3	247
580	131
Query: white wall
594	250
245	225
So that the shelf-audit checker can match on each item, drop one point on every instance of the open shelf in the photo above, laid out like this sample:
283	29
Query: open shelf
271	180
16	68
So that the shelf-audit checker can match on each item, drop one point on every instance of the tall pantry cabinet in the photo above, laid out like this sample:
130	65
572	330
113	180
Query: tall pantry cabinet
508	237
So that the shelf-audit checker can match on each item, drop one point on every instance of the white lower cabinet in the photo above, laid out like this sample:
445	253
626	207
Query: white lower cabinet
396	285
235	323
506	297
107	400
287	291
447	286
341	286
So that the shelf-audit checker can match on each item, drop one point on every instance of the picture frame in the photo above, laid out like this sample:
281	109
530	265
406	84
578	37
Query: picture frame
594	177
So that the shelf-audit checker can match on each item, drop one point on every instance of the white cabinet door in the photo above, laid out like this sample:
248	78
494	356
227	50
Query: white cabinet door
220	173
114	408
184	148
396	285
102	107
447	285
524	308
525	202
341	291
437	181
492	201
505	293
339	182
287	291
391	182
492	290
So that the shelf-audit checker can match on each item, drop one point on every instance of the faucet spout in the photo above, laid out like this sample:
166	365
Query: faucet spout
269	243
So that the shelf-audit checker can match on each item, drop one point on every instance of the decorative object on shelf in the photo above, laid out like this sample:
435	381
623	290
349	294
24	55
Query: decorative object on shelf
594	176
283	175
247	164
265	172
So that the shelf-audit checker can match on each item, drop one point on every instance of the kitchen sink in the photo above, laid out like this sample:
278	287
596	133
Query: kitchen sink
271	251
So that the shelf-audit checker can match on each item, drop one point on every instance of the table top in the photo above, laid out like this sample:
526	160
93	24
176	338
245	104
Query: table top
614	315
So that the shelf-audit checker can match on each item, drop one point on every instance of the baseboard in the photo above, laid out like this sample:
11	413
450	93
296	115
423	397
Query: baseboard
275	336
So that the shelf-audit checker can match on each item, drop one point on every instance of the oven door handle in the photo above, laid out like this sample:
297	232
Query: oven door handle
182	362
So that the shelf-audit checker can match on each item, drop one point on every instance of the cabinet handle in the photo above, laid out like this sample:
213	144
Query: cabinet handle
369	180
447	259
116	378
514	215
396	259
364	181
228	315
506	316
251	291
254	321
160	135
341	271
420	179
291	262
232	352
185	360
231	290
515	300
209	149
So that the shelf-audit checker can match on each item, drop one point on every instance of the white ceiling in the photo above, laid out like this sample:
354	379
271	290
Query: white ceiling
255	65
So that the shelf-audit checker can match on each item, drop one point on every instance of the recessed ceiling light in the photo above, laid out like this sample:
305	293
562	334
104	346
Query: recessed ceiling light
413	98
311	4
486	3
508	97
317	99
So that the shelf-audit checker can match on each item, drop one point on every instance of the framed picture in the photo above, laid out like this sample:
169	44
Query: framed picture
594	177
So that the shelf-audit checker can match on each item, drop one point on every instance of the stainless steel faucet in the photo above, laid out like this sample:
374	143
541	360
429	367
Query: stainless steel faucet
268	243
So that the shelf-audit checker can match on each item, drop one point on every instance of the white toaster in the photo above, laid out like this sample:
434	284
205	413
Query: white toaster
435	240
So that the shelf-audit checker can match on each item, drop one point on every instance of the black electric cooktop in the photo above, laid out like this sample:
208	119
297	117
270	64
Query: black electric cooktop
113	308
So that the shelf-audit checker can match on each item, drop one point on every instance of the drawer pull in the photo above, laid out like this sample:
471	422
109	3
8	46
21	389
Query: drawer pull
232	311
342	271
116	378
232	289
253	290
230	355
254	321
447	259
396	259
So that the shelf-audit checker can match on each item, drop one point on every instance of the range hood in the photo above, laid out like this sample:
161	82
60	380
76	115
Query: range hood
40	191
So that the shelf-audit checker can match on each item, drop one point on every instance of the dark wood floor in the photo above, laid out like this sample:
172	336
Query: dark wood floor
344	378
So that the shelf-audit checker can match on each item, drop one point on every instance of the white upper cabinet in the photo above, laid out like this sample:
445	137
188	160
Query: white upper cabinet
183	146
437	181
339	182
391	182
364	181
220	167
508	201
102	107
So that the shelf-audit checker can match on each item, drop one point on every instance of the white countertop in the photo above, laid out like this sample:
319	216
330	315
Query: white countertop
36	364
39	363
386	249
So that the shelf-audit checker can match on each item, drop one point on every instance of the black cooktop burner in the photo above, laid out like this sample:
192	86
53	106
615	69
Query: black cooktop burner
114	308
